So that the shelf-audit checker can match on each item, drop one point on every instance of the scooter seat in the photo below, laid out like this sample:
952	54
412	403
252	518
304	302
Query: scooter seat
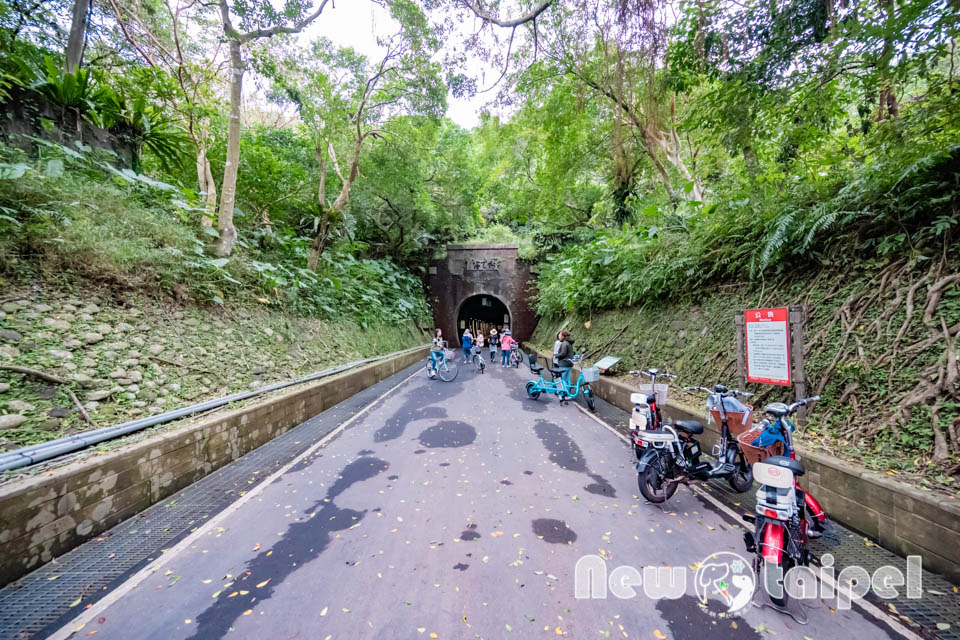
655	435
536	368
788	463
690	426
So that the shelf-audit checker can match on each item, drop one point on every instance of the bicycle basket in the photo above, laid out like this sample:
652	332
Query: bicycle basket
757	454
737	421
660	390
448	354
591	374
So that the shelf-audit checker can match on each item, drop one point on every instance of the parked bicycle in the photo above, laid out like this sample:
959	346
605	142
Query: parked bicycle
731	462
446	364
561	388
786	516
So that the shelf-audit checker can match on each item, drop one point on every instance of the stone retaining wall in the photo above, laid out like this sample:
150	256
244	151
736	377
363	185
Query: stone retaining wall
902	518
46	515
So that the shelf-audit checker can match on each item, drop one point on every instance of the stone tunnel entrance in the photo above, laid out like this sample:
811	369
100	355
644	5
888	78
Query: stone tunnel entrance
478	286
482	312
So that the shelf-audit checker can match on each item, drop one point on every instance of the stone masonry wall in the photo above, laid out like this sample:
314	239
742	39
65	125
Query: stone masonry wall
491	269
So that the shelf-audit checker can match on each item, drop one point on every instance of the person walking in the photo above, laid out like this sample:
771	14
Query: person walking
466	341
494	341
506	343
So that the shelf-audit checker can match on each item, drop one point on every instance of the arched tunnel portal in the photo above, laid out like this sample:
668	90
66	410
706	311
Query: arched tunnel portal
480	286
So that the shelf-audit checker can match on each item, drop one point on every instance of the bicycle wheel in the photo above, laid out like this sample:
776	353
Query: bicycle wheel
742	477
588	398
448	370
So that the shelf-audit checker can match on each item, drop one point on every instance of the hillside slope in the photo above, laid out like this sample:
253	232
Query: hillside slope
876	350
127	355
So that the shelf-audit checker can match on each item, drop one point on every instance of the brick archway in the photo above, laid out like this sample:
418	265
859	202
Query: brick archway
491	270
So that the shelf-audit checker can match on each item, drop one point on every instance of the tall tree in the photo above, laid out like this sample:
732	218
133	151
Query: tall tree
259	20
347	101
175	37
78	29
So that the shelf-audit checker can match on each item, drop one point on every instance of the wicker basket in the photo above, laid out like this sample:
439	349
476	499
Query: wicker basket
735	421
756	454
591	374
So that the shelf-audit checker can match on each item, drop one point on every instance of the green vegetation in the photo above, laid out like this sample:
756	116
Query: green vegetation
655	156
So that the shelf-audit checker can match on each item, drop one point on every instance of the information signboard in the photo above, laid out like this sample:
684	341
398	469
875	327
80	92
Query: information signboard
605	363
768	346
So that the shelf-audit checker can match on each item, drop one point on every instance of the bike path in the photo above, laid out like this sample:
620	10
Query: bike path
445	511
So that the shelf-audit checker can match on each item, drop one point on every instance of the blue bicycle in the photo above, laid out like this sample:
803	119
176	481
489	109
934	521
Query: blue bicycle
560	387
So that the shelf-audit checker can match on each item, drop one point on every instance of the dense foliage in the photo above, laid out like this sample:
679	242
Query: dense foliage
644	151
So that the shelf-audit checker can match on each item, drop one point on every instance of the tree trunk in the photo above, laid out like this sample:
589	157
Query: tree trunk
319	240
339	205
750	159
228	198
207	186
78	29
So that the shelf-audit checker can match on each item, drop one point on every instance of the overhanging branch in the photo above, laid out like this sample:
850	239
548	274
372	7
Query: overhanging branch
512	22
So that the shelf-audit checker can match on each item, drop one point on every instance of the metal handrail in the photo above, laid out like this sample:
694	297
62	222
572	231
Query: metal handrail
33	454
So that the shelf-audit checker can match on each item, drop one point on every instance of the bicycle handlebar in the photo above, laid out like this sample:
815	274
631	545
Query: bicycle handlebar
644	372
803	402
726	394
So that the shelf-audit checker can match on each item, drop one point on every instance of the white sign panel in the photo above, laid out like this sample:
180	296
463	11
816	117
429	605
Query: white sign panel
768	346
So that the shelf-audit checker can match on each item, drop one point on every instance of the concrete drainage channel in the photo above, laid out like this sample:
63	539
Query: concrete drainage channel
38	603
62	446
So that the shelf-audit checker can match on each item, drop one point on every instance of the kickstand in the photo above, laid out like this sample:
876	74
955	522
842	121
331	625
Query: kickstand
795	608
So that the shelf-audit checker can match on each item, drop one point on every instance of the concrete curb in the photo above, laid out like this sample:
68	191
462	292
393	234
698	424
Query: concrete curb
46	515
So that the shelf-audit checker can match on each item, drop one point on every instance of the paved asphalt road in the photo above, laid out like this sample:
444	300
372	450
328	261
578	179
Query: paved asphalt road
446	511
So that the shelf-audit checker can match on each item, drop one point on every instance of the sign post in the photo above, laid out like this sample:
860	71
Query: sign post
770	349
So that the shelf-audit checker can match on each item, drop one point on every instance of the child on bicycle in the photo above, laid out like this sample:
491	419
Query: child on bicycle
478	346
494	339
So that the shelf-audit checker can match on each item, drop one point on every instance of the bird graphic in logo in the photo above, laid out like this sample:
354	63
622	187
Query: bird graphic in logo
727	577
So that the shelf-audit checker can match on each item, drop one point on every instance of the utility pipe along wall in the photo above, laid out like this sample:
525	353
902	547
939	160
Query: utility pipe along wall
46	515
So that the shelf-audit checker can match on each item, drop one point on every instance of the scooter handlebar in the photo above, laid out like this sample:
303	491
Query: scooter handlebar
704	389
802	403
